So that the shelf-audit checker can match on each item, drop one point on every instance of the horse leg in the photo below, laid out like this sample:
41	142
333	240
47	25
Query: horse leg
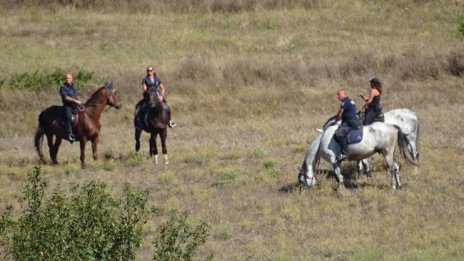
396	173
363	168
359	168
153	147
394	170
163	136
338	172
94	148
51	148
56	146
138	132
83	141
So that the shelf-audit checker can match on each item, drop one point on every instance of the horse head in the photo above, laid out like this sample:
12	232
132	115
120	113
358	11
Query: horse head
113	98
305	177
154	98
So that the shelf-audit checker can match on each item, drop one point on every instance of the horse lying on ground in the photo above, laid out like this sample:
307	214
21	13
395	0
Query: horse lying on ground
87	125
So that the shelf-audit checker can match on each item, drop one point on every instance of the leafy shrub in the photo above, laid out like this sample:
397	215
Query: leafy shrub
89	225
177	240
39	81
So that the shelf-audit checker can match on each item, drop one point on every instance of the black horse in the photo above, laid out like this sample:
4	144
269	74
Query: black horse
156	122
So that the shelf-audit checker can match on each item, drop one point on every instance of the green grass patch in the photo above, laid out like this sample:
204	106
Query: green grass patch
41	81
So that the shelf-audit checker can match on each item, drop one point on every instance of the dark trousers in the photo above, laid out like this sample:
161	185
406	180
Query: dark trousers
341	133
68	113
369	117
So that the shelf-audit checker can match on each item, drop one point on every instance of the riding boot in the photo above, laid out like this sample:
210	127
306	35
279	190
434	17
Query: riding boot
71	135
68	114
343	152
171	124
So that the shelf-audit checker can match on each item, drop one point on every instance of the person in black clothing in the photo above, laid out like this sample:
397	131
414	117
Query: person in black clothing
70	99
348	115
151	81
371	105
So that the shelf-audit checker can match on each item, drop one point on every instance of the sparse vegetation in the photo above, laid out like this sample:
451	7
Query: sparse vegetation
248	83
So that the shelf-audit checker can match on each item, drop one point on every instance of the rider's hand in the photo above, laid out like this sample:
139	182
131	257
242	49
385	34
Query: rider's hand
160	98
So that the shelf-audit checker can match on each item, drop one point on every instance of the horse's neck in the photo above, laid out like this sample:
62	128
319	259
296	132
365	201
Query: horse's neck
312	153
158	112
95	105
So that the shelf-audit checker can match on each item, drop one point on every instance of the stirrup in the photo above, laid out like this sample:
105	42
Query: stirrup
72	137
341	157
172	124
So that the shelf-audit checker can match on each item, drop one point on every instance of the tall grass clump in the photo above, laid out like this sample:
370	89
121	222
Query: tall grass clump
178	240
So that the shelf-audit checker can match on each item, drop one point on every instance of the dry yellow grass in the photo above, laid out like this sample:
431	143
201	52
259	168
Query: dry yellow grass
248	89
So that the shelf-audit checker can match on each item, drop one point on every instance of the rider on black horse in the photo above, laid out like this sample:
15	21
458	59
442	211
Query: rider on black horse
71	102
151	83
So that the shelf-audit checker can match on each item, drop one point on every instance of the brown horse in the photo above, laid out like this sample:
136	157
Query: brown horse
87	126
155	122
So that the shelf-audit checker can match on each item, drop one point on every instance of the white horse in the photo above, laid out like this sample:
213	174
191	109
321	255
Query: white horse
378	137
408	138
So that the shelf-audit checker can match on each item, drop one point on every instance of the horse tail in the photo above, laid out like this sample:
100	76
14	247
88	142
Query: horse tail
418	141
403	144
38	137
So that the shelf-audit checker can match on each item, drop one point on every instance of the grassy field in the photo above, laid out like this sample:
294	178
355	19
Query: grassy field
248	89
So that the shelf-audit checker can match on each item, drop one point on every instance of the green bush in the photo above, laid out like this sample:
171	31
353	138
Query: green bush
41	81
177	240
89	224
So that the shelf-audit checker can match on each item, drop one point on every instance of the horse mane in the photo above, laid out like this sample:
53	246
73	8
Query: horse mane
329	122
93	100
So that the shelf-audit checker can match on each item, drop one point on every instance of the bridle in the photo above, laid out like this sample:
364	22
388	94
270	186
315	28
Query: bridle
110	104
305	177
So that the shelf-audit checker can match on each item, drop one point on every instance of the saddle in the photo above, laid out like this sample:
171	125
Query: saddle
355	136
380	117
356	133
62	119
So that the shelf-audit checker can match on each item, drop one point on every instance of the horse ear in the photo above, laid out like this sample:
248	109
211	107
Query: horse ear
109	85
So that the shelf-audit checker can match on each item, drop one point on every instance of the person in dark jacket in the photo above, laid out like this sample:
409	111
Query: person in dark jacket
348	115
151	81
371	105
70	98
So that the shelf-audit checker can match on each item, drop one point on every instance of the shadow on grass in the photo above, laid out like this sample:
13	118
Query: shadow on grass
351	182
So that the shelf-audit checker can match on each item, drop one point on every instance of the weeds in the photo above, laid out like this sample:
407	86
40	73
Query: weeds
39	81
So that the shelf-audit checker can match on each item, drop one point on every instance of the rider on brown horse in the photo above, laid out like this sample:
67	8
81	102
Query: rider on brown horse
151	83
70	99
